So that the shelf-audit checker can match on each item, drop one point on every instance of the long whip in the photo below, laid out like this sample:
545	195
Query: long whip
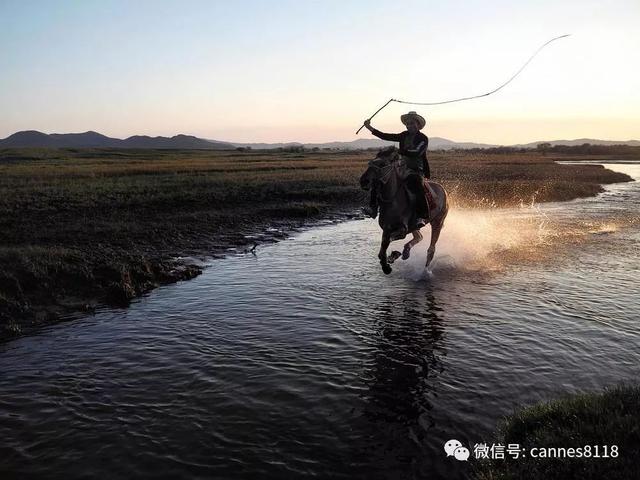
474	96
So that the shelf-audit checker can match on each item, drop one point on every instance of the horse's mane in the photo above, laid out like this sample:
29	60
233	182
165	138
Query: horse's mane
387	163
386	151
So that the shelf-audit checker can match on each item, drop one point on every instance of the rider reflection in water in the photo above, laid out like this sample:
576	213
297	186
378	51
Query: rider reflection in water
413	146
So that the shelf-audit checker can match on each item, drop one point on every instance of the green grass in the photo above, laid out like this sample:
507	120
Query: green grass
609	418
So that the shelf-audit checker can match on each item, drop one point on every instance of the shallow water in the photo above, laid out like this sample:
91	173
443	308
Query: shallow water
306	361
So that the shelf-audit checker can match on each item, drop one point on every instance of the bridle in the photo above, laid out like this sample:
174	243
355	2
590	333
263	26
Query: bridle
384	172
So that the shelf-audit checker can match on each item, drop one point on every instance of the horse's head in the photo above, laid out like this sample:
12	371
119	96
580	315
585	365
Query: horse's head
385	157
390	172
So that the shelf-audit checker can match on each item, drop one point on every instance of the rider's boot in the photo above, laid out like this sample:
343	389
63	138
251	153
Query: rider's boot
422	208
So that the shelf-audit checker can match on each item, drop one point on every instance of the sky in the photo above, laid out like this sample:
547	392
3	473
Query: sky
312	71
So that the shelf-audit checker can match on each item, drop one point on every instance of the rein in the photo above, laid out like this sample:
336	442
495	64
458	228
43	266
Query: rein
386	172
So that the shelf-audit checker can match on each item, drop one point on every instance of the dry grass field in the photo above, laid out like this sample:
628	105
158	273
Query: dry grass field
81	227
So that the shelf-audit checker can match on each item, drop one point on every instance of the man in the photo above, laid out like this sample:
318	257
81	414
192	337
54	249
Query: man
413	146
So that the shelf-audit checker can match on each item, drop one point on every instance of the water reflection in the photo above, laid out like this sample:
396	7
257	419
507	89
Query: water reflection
401	380
286	365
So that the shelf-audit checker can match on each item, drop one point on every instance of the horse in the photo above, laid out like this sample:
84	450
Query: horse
397	217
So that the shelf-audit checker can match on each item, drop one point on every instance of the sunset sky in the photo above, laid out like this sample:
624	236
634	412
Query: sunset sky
311	71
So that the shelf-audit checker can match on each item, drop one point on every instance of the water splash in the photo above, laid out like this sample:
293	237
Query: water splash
603	228
490	240
483	241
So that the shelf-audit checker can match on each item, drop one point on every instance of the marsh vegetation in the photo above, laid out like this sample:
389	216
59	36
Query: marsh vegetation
81	227
591	436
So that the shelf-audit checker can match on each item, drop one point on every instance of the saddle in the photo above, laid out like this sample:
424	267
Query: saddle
381	169
430	195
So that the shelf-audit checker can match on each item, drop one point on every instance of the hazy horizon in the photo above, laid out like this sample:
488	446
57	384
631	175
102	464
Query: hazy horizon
360	137
311	73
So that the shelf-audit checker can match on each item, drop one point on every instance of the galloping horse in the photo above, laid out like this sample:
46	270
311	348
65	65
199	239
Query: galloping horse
397	206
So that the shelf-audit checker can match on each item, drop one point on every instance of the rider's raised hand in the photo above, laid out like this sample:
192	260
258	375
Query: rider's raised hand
367	123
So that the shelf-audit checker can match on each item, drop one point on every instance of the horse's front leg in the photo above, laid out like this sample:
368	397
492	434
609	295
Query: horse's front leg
382	254
436	228
417	238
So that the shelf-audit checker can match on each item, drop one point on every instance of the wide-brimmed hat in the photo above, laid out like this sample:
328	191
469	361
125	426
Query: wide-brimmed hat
413	115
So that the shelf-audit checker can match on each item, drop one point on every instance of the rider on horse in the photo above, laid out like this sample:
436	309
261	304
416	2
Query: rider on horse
413	147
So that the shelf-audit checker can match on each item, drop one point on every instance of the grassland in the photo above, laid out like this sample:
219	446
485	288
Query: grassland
611	418
84	227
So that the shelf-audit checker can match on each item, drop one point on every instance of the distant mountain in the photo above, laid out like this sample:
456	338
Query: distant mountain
177	141
83	140
29	138
34	139
435	143
438	143
269	146
581	141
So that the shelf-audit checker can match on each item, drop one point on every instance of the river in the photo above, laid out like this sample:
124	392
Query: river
305	361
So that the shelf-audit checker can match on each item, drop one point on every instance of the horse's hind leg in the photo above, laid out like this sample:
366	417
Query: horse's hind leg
382	254
406	251
436	228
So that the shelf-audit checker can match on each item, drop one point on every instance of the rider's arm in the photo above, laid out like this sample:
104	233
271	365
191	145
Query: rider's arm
425	167
425	161
391	137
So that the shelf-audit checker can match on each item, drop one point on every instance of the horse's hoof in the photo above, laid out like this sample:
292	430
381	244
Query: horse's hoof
393	257
386	269
406	252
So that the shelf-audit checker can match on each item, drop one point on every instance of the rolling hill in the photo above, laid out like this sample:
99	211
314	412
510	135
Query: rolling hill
35	139
90	139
